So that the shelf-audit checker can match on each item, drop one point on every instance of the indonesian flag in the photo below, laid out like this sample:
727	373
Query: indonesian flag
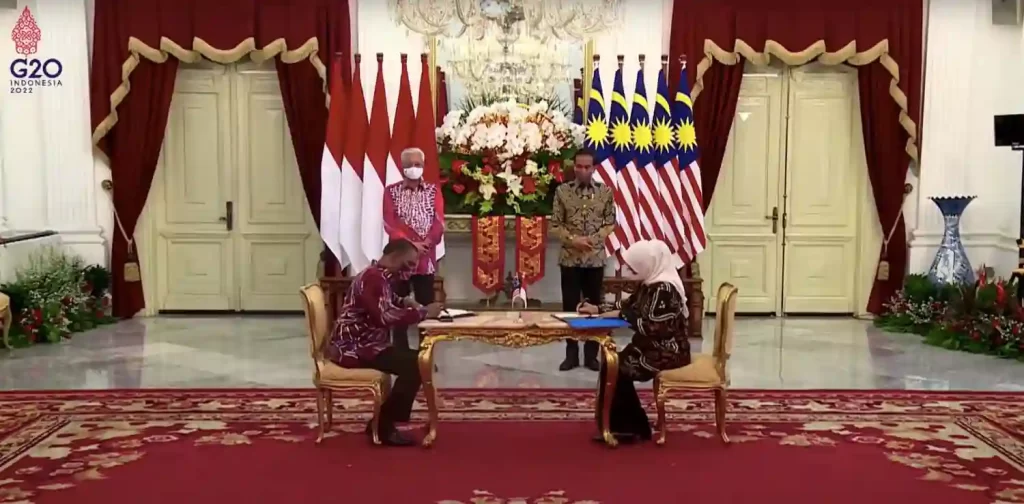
330	166
425	138
352	176
375	172
401	132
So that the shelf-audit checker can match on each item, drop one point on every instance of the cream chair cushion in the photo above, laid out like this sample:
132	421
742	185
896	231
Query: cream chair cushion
699	373
333	374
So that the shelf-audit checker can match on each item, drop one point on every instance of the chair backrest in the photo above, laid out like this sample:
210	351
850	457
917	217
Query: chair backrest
725	316
315	306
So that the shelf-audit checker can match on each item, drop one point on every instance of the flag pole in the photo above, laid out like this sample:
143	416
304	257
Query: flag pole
432	65
590	61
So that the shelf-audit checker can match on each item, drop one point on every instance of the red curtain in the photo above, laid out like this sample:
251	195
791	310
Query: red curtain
796	25
133	143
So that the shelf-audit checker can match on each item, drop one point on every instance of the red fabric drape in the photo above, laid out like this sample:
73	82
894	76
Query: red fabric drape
133	143
796	25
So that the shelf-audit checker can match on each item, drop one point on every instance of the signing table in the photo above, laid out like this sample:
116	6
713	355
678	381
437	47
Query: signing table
513	330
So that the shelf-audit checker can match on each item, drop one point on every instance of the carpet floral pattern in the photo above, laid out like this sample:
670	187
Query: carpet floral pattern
51	442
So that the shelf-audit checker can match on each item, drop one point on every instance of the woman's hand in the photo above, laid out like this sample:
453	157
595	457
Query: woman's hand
611	314
588	309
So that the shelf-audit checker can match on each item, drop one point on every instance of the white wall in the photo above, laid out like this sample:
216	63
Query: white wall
974	70
46	165
49	179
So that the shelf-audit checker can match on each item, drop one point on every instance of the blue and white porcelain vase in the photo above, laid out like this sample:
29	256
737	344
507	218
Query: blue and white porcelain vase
951	264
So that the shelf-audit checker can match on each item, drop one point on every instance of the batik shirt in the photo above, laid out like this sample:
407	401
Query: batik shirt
657	314
586	210
416	214
370	310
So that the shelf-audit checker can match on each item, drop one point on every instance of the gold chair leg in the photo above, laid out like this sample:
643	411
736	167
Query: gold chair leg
320	414
329	396
659	401
721	405
378	399
8	319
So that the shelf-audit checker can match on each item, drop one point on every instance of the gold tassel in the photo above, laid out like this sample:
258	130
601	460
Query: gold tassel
131	271
883	270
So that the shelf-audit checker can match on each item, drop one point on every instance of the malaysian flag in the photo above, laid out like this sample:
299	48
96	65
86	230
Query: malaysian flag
645	176
683	176
597	141
629	227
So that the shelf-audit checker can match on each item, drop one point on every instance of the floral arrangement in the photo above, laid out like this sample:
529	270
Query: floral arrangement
505	157
56	295
983	317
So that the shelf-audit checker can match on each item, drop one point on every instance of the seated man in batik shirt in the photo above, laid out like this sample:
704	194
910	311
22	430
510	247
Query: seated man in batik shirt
414	211
360	337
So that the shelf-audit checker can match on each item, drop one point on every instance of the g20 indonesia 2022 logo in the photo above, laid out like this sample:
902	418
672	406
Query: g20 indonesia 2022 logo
27	72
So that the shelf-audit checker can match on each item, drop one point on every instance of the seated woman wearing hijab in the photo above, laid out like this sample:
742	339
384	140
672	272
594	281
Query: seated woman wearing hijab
657	314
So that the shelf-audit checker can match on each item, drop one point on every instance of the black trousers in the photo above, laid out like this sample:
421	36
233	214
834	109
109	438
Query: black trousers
401	362
580	284
422	289
627	413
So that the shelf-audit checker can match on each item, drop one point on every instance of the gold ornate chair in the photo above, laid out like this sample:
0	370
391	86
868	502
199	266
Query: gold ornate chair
328	376
705	372
6	318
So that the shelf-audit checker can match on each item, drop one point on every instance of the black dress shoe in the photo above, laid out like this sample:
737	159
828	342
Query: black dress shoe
395	438
591	363
622	438
571	362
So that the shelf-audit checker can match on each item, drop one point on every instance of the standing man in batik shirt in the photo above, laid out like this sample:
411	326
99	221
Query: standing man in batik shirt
414	211
582	217
360	337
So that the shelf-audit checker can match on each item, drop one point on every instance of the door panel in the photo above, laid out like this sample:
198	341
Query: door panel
744	248
278	243
823	191
194	248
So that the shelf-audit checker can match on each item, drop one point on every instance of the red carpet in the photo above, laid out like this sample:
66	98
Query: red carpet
505	447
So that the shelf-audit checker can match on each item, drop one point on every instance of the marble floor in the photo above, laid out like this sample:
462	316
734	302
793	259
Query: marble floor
272	351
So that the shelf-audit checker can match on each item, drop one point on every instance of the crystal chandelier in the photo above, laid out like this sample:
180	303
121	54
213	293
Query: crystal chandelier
509	67
565	19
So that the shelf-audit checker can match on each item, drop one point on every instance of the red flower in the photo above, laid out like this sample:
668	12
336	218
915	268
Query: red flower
487	170
1000	293
37	314
518	163
529	185
555	169
501	188
975	335
981	276
99	314
459	188
457	166
104	301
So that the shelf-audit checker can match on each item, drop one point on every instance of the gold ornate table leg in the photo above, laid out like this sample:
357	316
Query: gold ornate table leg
611	377
426	363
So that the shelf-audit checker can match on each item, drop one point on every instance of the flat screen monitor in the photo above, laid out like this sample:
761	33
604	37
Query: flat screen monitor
1009	130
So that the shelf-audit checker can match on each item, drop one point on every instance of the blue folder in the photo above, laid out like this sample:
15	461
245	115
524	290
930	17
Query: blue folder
597	323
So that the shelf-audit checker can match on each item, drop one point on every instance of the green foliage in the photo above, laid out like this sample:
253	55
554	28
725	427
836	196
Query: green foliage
983	317
55	295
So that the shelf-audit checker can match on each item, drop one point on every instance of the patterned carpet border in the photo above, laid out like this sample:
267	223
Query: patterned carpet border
973	441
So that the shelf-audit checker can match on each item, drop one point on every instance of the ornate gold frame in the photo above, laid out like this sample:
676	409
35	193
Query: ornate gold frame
516	338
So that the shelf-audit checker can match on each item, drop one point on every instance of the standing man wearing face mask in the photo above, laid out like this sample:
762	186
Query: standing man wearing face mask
414	211
582	217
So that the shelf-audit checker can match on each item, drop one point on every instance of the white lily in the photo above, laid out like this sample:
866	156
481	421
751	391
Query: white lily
487	191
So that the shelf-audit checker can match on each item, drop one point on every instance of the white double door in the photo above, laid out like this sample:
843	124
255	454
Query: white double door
230	226
787	221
